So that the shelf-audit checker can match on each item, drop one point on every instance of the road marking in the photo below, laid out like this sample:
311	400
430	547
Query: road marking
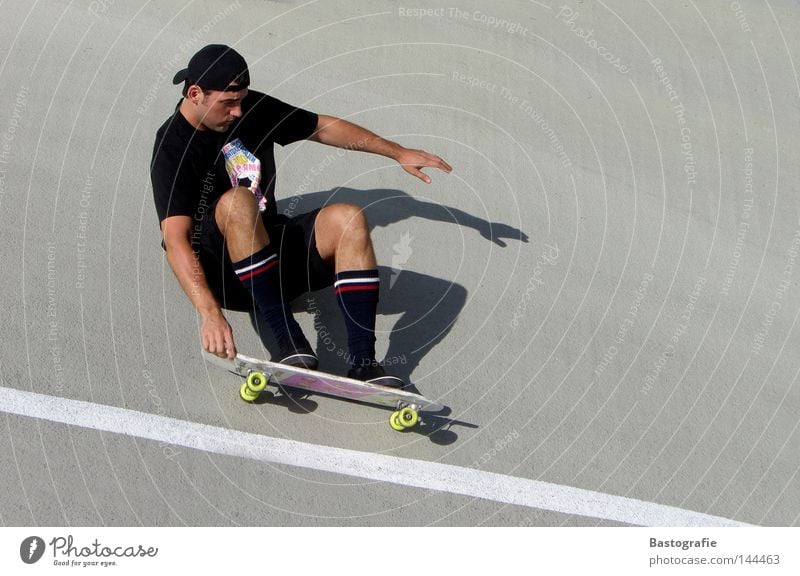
404	471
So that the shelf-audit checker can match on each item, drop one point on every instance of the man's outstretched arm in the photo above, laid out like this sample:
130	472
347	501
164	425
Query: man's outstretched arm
343	134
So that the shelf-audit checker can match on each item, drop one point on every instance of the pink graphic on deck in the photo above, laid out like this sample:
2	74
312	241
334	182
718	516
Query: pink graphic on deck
323	386
244	169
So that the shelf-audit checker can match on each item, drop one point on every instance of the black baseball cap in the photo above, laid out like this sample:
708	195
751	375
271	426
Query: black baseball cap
216	67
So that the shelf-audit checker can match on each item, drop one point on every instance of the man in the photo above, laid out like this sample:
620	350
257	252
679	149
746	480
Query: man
213	175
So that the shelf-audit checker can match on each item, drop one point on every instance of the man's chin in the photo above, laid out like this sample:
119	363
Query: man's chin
218	127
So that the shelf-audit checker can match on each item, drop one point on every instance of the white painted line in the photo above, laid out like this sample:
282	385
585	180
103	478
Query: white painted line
403	471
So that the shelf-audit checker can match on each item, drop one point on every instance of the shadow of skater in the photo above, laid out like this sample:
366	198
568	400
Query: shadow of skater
427	307
384	207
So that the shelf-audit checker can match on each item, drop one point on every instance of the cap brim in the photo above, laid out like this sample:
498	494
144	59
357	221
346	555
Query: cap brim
181	76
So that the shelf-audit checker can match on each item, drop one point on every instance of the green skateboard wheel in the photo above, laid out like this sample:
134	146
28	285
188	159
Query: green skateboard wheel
395	423
408	417
246	394
256	382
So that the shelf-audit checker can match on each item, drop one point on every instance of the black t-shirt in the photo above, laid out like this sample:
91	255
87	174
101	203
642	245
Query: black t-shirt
192	168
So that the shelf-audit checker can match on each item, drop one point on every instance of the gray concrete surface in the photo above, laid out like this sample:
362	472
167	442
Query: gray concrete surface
604	291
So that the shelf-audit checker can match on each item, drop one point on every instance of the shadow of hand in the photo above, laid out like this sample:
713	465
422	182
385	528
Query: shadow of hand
496	232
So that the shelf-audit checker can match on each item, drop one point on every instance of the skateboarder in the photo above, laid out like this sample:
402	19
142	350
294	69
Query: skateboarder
213	176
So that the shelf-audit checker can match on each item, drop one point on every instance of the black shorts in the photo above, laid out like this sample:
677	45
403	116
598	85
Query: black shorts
302	269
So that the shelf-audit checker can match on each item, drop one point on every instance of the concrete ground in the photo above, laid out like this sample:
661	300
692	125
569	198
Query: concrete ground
604	292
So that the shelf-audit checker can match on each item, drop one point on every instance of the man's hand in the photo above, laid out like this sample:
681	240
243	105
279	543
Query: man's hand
217	336
413	161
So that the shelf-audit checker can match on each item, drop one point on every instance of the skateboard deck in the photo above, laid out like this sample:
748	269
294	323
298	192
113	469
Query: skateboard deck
260	373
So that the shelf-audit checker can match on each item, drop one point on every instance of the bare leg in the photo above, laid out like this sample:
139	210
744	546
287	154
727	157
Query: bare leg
258	267
239	221
342	237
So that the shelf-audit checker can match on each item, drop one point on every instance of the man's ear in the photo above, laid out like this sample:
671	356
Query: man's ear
194	93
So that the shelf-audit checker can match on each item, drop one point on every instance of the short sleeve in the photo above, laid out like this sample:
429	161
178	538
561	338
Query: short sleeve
174	182
283	122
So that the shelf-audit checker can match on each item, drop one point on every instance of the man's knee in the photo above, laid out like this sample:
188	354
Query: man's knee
347	217
236	207
342	234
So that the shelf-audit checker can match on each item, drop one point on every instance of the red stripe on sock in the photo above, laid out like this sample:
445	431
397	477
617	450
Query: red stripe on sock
258	271
356	287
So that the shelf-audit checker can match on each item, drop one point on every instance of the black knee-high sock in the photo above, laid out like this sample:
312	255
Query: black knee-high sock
357	294
260	274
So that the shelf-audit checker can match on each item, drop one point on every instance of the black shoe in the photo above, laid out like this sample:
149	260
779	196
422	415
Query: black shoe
375	374
302	357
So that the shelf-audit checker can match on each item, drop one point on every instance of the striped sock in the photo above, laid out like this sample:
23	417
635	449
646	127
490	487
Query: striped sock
357	294
260	274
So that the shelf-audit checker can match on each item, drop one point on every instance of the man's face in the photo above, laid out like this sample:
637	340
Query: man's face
218	110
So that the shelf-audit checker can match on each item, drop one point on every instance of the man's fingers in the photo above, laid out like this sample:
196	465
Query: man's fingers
217	337
415	171
230	347
226	348
219	345
441	164
418	159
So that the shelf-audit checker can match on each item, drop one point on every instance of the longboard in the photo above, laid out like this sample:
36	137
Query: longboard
260	373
